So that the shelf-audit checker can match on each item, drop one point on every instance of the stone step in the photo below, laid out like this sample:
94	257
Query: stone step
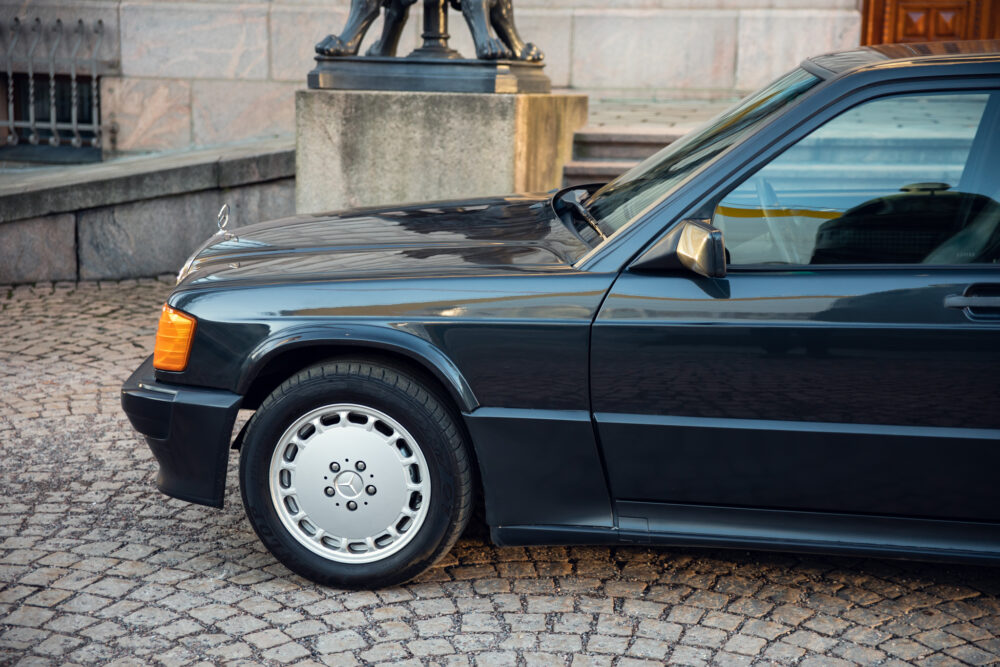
622	143
582	172
601	153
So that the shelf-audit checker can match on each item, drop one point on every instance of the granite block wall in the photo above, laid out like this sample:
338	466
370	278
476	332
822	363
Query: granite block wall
202	72
137	216
132	239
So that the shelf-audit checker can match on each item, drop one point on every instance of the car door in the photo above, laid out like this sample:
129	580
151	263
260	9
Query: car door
850	359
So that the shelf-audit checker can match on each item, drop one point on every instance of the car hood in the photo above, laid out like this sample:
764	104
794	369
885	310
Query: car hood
518	233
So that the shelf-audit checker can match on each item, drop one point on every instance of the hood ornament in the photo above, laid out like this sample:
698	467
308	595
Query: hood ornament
223	221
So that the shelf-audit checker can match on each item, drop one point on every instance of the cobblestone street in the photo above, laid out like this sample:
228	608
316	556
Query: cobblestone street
98	567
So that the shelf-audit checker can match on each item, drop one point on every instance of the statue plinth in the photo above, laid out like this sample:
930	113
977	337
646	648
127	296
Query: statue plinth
374	147
421	74
381	130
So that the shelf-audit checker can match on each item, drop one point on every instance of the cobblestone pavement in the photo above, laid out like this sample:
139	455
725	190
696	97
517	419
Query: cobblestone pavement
97	567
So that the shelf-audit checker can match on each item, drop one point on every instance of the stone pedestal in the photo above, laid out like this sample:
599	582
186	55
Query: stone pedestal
367	148
444	75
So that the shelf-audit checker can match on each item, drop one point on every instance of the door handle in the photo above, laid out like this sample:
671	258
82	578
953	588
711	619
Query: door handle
959	301
978	302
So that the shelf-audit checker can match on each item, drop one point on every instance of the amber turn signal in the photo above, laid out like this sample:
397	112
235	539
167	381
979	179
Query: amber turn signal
173	340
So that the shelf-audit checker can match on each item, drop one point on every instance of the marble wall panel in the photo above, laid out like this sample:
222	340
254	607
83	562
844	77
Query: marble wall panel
654	49
683	4
146	114
334	4
772	42
550	29
180	57
194	40
295	30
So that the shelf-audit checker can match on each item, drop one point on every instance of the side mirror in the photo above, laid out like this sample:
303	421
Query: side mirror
692	244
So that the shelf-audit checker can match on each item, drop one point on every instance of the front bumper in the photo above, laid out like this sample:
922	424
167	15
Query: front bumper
189	431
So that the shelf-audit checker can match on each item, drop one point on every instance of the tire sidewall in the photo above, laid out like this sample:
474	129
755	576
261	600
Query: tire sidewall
264	434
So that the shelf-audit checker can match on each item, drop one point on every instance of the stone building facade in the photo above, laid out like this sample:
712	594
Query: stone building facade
199	73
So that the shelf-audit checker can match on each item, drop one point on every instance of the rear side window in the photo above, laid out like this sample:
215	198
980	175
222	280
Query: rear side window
908	179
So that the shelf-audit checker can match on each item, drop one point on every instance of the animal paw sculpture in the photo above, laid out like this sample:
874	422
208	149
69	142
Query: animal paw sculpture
481	15
360	18
491	23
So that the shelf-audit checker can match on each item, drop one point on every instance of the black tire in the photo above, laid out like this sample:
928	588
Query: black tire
413	405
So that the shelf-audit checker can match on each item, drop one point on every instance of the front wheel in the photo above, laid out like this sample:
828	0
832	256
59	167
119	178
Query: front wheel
355	474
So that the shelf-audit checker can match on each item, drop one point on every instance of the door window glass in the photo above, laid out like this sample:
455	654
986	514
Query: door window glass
902	179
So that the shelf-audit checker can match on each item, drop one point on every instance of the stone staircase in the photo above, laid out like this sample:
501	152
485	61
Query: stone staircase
621	132
602	153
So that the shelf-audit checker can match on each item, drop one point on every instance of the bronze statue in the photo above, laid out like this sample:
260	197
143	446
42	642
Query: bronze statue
480	15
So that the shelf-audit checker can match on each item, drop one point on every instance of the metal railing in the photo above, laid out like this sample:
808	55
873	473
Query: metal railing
53	64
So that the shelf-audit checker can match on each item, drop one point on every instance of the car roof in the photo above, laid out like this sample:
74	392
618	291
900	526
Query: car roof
905	55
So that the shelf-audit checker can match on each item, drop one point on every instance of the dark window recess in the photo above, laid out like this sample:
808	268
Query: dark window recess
50	77
68	137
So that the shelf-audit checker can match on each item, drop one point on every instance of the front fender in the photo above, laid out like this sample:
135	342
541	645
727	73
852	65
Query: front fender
387	337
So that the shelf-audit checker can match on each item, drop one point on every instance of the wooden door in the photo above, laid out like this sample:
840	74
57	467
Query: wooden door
889	21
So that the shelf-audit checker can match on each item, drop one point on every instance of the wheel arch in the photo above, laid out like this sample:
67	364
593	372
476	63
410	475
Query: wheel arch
283	355
277	359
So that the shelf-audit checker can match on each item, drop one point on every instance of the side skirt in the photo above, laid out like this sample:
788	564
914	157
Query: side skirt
804	532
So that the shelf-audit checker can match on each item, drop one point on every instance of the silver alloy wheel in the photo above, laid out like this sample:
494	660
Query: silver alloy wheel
349	483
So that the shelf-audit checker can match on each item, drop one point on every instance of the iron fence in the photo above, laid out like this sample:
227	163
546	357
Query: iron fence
51	83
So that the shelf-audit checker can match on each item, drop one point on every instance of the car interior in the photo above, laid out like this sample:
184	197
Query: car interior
908	179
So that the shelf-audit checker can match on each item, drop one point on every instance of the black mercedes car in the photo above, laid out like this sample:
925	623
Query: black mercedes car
781	332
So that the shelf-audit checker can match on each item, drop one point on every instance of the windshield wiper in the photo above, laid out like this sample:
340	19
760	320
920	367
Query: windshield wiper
575	198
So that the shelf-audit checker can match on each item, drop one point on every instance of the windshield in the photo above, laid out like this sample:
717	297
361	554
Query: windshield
633	192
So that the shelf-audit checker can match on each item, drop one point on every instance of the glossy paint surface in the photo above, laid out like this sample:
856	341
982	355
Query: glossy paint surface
508	234
599	399
468	282
184	427
802	346
481	294
835	389
826	390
